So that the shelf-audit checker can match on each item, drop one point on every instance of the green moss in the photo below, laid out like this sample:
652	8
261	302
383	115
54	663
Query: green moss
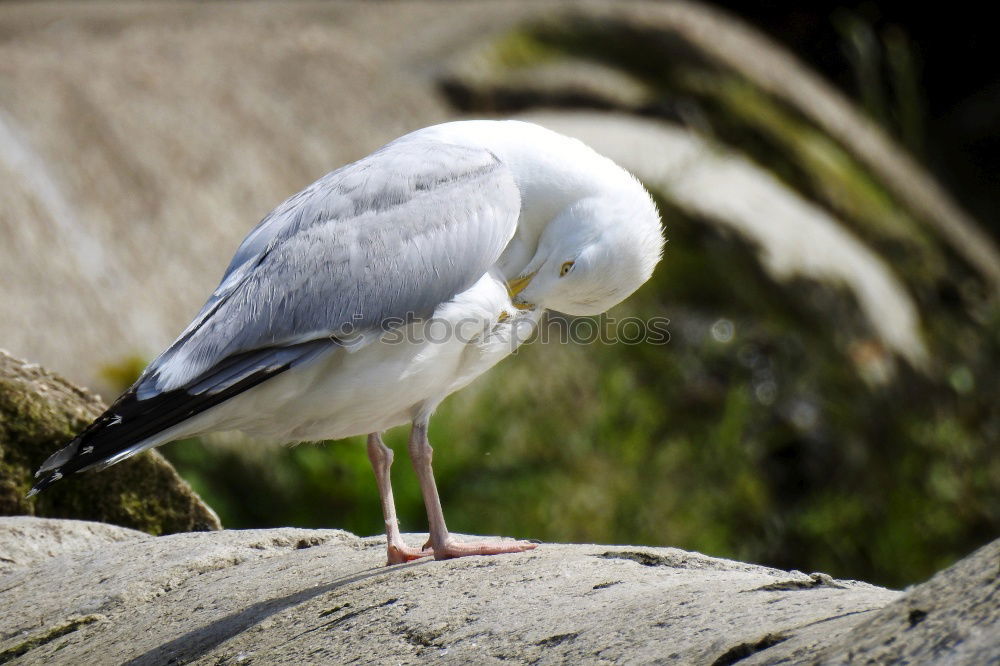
30	419
21	649
835	175
519	49
123	374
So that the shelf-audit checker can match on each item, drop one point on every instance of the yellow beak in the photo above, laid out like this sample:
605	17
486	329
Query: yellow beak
516	286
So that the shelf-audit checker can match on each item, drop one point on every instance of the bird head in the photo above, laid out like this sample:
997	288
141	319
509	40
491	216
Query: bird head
592	255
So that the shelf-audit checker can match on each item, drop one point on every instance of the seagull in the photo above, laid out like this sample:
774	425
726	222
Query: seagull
364	300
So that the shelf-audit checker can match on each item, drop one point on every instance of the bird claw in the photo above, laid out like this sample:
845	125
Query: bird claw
401	553
452	548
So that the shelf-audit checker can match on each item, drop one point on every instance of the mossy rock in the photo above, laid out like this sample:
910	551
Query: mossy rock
40	412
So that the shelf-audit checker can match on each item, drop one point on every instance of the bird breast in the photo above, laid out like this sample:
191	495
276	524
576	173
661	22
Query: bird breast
406	372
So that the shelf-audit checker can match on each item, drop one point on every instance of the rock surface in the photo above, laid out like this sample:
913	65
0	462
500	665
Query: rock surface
954	618
39	413
323	596
28	540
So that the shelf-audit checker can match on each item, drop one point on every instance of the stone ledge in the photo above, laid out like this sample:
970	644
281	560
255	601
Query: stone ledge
324	596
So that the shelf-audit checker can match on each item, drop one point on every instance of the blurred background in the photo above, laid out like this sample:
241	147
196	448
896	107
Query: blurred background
828	181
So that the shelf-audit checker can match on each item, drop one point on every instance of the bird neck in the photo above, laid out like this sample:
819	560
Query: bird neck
552	172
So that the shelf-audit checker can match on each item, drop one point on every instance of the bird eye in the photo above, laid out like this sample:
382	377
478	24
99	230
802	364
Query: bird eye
565	268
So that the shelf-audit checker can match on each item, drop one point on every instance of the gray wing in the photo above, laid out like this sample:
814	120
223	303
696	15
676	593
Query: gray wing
379	241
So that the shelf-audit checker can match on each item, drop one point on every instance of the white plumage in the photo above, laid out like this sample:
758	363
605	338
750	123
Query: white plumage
363	301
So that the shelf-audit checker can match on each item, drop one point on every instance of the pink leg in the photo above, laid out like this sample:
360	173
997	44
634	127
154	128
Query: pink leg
442	543
381	456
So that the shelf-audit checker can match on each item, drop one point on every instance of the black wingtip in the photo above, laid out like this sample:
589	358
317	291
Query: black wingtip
51	470
132	424
59	458
44	483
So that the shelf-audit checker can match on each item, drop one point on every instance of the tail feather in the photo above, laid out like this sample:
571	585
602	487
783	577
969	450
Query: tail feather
132	424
